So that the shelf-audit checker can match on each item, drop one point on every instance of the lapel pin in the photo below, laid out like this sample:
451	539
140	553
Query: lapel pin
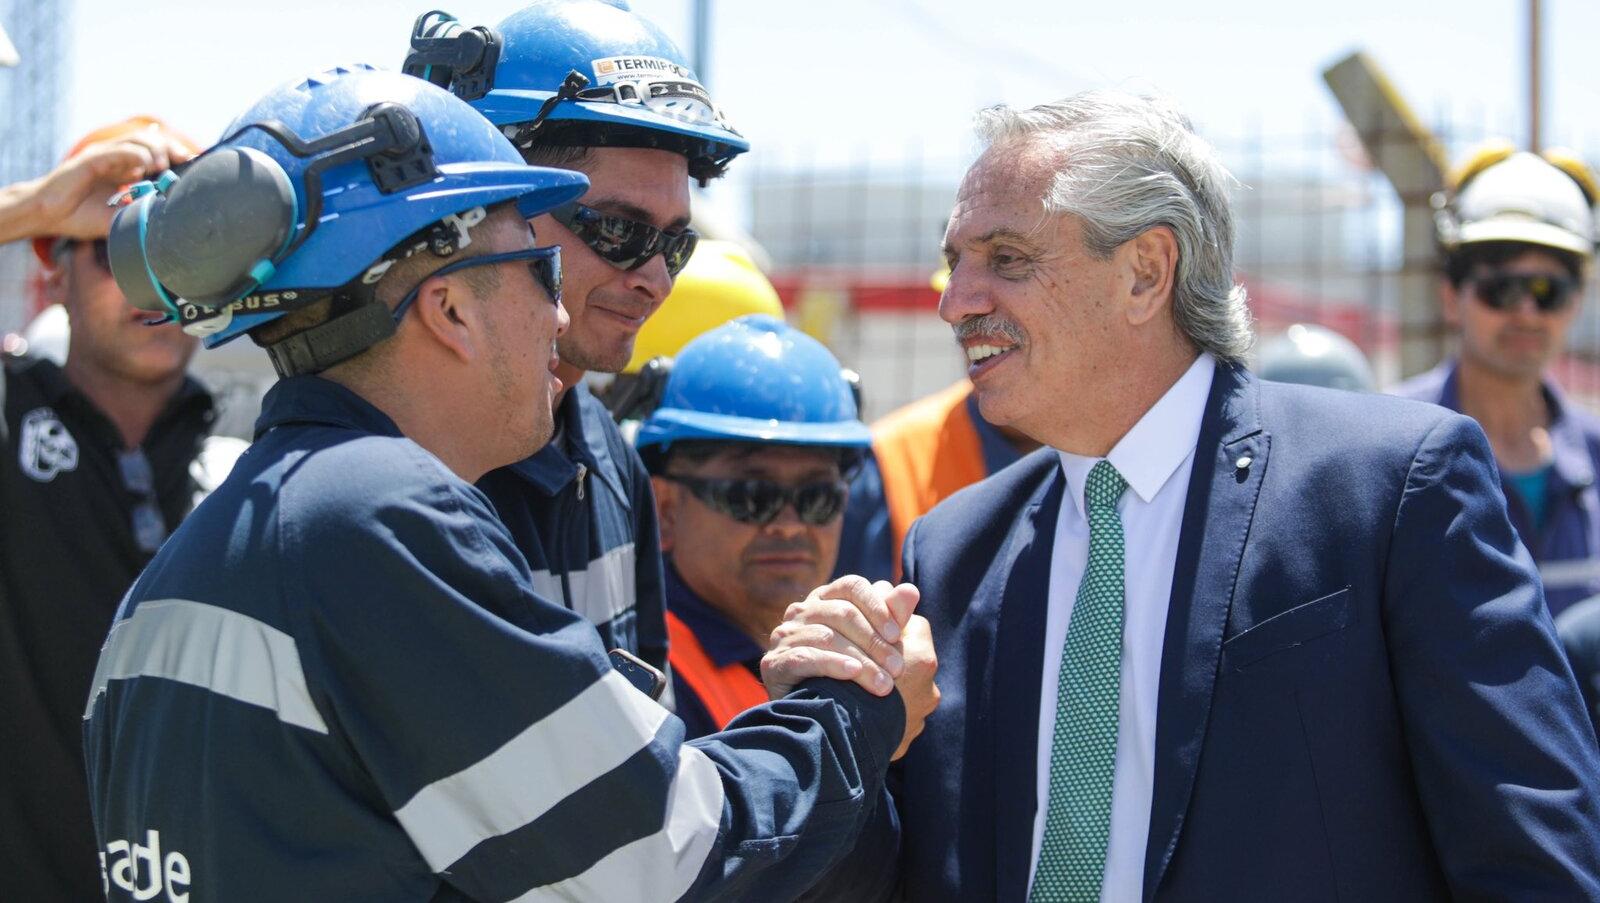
1243	463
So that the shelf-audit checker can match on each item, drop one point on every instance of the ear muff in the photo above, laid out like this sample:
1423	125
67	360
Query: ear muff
216	229
221	226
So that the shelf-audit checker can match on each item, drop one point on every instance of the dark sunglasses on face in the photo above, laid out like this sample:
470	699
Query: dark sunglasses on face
543	263
759	502
626	243
1505	291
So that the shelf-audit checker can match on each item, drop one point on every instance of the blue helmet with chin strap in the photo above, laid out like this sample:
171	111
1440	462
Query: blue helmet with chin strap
313	193
578	73
756	379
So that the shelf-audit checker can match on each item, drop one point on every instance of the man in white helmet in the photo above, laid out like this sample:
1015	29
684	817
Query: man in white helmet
1517	235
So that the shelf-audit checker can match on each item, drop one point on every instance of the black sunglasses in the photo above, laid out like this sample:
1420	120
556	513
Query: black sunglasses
626	243
760	502
1505	291
543	263
139	481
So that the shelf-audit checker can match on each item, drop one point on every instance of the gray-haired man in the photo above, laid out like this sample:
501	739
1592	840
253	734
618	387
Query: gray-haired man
1221	639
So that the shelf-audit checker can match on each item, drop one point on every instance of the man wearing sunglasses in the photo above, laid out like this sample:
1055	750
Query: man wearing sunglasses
95	471
591	86
749	451
1518	235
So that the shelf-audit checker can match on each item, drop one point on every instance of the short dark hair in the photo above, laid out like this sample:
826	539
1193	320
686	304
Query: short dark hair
1460	263
564	145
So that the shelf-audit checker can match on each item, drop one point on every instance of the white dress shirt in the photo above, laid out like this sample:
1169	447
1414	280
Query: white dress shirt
1155	458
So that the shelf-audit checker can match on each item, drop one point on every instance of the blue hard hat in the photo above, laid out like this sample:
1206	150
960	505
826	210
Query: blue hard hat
639	89
461	163
756	379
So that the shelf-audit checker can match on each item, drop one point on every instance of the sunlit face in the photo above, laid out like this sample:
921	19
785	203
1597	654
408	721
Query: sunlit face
108	334
1516	343
522	328
1030	306
752	572
608	305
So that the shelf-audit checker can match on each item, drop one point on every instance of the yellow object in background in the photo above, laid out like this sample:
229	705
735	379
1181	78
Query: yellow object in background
720	283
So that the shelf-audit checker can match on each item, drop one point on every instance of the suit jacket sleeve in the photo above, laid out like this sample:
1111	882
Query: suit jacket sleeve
1505	763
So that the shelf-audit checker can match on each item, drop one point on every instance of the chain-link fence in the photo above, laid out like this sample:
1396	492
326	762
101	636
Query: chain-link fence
1319	241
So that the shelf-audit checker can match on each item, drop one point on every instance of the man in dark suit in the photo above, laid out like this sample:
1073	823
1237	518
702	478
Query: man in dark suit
1221	639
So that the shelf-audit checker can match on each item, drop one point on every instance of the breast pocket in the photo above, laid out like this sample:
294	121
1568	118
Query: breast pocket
1286	630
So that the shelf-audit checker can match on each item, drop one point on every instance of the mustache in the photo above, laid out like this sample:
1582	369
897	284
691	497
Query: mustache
801	544
988	324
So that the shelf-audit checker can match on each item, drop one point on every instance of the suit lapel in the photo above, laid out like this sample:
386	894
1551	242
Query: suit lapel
1019	654
1216	523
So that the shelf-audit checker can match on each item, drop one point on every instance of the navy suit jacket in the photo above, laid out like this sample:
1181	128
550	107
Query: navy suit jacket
1361	697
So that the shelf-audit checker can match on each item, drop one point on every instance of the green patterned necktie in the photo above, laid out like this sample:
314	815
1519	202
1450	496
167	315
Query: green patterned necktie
1083	749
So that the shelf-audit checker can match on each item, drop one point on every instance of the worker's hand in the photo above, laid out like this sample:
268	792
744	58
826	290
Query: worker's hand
70	201
916	686
847	630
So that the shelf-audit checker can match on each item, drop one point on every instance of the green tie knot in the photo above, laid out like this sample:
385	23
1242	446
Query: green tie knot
1104	486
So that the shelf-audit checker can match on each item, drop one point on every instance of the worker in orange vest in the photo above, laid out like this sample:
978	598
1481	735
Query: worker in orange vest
749	451
921	454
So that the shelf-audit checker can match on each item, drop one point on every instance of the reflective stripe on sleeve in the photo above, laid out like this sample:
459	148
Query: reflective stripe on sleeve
664	865
599	592
593	733
213	648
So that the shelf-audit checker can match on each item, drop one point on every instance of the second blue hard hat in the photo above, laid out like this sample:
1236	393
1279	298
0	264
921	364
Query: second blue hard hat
756	379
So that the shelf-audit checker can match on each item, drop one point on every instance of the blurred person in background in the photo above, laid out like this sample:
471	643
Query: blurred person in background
749	450
570	83
921	454
1311	355
99	464
1517	233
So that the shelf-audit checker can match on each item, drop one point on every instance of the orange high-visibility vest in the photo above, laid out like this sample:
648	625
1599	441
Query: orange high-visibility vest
725	691
926	451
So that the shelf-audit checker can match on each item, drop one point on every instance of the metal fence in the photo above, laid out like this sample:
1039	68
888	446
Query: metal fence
1319	240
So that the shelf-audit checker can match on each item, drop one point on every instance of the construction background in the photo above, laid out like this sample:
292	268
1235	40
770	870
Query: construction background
1324	234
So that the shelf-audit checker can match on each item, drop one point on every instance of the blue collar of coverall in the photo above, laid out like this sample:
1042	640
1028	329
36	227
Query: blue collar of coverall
998	452
1569	448
314	400
724	642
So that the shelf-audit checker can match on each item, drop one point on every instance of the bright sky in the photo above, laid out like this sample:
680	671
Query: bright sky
835	82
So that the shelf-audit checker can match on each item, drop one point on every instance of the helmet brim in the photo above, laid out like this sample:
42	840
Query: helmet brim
668	425
509	106
1525	231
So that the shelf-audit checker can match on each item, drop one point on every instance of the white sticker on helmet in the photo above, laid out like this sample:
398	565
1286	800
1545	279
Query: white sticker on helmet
613	69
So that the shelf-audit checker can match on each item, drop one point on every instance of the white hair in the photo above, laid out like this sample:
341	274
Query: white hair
1129	164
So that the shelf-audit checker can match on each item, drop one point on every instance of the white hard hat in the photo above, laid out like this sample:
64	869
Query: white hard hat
1523	198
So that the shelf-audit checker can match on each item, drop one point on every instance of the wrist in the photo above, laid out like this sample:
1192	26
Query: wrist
21	210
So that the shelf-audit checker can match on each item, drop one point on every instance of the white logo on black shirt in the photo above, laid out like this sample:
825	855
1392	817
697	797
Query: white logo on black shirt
46	448
143	871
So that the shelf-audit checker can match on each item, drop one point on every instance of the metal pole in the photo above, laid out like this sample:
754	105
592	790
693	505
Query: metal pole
1535	80
702	40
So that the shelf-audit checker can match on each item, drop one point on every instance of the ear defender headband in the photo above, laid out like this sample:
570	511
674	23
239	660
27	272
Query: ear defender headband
210	232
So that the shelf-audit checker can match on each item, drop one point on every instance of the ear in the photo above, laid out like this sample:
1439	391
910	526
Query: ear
451	316
1153	262
1450	302
53	282
666	493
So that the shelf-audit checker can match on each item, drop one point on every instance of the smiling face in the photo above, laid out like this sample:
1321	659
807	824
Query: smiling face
749	572
1034	311
521	329
608	305
1518	343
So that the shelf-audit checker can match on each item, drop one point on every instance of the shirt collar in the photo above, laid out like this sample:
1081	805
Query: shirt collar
314	400
722	641
1150	453
552	468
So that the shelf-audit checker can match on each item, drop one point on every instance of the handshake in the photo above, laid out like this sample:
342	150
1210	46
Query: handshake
865	632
